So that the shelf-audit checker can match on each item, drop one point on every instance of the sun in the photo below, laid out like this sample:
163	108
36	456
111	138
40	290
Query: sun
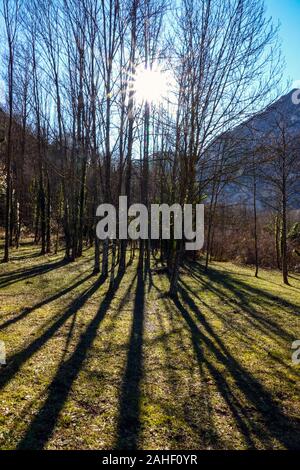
150	85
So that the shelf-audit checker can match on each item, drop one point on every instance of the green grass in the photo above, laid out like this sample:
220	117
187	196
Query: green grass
93	369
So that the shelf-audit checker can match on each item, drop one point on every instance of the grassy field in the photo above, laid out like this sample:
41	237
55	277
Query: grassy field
89	368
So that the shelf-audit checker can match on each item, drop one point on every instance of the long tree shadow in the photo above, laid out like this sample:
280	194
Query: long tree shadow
238	286
201	420
15	362
42	303
253	316
271	422
25	257
129	415
7	279
276	332
125	299
205	422
41	428
245	297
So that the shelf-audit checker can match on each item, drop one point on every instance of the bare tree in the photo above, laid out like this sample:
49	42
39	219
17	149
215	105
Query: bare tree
10	12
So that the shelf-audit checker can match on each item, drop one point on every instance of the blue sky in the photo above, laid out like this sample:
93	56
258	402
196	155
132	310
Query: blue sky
288	13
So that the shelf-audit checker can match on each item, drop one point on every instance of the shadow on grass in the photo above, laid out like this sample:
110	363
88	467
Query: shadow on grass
237	286
41	428
129	415
248	329
28	311
240	294
15	362
262	416
25	257
7	279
